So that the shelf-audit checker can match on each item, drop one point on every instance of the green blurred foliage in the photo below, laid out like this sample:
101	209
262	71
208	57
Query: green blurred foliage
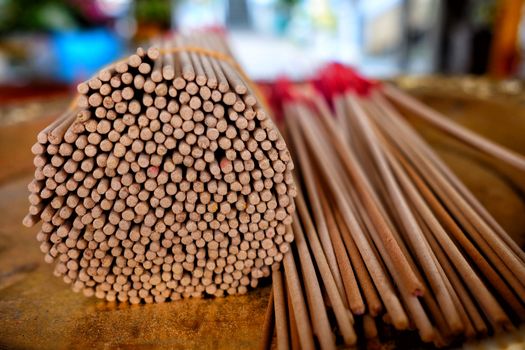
41	15
153	11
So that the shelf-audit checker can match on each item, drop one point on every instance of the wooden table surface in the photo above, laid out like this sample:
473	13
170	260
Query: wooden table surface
39	311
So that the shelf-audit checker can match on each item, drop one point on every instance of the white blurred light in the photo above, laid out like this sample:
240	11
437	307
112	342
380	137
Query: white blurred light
126	27
113	8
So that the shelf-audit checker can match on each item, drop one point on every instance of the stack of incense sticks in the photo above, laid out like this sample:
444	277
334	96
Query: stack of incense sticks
166	179
385	234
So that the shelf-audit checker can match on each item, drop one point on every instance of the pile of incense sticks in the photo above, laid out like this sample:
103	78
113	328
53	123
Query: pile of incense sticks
166	180
385	234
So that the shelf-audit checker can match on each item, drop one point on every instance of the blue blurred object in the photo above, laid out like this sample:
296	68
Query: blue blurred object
79	54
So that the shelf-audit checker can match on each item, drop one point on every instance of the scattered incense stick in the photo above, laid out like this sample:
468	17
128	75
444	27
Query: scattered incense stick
437	120
269	324
410	246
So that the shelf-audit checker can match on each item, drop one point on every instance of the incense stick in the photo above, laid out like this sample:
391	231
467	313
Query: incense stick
382	211
439	121
158	179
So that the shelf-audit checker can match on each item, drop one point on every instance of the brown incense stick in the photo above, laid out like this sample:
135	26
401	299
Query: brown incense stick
462	134
269	325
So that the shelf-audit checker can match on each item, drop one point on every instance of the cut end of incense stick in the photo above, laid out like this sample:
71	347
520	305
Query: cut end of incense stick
159	191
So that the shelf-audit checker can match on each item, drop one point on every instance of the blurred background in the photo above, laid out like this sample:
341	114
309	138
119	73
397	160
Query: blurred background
47	46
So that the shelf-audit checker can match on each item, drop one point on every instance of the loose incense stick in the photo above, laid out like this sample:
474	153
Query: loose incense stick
344	319
269	325
415	235
388	108
364	189
371	182
322	229
439	121
281	319
448	222
320	322
297	298
351	287
376	270
294	332
473	225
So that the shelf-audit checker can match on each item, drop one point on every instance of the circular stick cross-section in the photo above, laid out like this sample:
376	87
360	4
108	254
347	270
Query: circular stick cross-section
168	180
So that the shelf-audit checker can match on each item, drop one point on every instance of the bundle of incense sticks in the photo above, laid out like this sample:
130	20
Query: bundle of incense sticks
167	178
385	234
